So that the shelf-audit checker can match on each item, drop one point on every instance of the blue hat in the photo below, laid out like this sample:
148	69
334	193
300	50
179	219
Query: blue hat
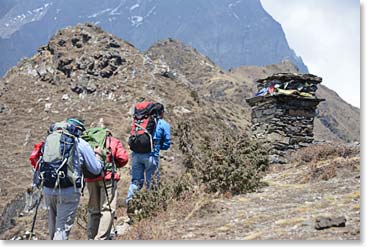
77	123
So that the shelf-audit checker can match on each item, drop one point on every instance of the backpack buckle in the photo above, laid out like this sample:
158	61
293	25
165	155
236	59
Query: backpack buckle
61	174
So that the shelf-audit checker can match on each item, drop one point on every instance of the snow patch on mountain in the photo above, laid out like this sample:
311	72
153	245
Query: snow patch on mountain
99	13
115	10
16	18
136	20
134	7
151	11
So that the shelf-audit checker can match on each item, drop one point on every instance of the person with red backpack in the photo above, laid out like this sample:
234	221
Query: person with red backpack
103	188
149	134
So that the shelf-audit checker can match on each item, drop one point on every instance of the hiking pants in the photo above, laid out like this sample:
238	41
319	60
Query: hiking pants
62	210
143	164
100	219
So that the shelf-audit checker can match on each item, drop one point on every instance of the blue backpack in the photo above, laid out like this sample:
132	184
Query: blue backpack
59	164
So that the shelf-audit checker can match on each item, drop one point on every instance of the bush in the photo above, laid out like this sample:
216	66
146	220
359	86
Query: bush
224	163
230	164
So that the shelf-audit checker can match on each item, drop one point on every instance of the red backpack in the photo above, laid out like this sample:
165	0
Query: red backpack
143	125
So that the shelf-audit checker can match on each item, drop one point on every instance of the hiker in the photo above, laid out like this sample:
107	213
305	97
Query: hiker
59	174
102	189
149	134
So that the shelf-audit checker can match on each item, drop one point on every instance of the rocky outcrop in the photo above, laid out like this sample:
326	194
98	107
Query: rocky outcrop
72	53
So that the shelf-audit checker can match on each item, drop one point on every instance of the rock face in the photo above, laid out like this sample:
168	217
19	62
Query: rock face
230	32
284	120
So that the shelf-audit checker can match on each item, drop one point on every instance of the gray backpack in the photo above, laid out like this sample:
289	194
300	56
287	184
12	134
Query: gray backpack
59	165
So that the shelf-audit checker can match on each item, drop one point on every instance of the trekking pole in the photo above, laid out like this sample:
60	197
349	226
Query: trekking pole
109	205
35	217
113	170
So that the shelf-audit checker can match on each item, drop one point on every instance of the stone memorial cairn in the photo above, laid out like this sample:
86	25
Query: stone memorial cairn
283	111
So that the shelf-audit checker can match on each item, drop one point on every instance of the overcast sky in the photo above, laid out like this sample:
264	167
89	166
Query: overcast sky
326	34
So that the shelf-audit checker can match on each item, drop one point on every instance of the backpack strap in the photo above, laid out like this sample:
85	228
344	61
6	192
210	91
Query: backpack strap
82	178
60	174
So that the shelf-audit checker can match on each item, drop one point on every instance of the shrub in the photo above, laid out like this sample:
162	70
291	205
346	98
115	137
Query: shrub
224	163
230	164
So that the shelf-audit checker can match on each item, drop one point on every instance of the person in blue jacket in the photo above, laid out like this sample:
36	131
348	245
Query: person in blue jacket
148	163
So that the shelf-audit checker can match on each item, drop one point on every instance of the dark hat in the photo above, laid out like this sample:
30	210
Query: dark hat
159	107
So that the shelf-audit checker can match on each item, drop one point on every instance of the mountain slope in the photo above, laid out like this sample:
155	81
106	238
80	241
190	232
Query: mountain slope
86	72
230	32
337	115
336	119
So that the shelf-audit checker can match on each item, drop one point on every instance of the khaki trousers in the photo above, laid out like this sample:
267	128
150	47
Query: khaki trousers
100	219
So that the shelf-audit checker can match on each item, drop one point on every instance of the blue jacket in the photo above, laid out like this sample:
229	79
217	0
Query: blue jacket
161	137
87	157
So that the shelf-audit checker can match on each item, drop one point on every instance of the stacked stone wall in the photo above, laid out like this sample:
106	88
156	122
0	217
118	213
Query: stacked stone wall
283	121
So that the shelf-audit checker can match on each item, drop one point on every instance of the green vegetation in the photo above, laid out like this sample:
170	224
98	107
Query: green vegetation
226	163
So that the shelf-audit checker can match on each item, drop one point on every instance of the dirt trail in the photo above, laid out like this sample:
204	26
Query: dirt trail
286	209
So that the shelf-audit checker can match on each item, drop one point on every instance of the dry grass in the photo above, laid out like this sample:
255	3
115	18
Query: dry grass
254	235
290	222
355	195
330	169
166	223
326	161
315	153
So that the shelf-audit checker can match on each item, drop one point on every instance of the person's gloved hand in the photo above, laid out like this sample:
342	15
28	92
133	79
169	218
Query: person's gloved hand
98	152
